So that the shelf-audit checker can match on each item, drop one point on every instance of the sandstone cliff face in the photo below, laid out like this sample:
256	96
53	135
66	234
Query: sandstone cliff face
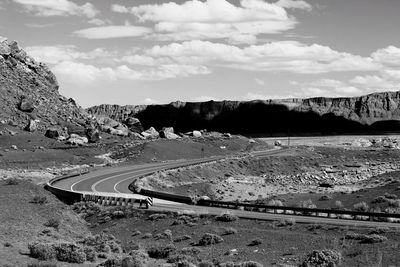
29	91
377	112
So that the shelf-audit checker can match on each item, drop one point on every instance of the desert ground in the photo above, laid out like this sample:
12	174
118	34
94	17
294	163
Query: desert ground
359	169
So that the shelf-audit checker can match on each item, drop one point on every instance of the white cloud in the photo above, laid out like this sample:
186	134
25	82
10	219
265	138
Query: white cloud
97	21
48	8
389	56
53	54
333	87
107	32
206	98
376	82
294	4
212	19
274	56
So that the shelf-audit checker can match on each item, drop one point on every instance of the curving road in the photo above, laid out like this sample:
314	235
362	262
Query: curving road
115	181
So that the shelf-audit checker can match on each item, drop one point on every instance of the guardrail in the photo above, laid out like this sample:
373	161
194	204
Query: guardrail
105	199
326	213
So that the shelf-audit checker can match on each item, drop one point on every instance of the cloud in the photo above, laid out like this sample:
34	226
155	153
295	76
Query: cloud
81	73
108	32
96	21
212	19
389	56
333	87
53	54
275	56
32	25
47	8
205	98
294	4
376	82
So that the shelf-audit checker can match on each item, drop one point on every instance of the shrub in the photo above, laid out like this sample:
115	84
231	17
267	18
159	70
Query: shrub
226	217
275	202
338	204
190	251
90	253
362	206
367	239
177	258
322	258
390	196
379	199
147	235
70	252
182	238
255	242
157	216
54	223
42	264
210	239
325	197
394	203
250	264
39	200
229	231
307	204
12	181
206	264
161	252
41	251
286	222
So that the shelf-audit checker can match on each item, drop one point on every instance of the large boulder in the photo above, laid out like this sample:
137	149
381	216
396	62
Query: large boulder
31	126
196	133
134	125
25	105
53	132
168	133
92	134
150	133
75	139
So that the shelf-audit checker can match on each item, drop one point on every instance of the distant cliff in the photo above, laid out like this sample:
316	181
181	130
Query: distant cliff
378	112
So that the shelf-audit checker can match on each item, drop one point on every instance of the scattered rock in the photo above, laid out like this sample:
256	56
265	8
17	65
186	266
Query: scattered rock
31	126
92	134
134	125
168	133
150	133
53	132
26	105
75	139
196	134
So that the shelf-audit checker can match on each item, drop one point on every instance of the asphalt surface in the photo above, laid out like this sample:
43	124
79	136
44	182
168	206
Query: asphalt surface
115	181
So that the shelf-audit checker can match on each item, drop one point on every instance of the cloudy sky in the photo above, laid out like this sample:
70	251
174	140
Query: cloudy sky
154	51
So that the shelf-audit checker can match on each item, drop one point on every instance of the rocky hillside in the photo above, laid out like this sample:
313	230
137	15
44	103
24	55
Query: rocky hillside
29	92
377	112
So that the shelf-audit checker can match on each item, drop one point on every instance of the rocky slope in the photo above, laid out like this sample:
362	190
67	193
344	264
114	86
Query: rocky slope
29	92
375	112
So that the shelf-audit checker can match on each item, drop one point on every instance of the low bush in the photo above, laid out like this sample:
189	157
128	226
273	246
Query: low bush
226	217
12	181
190	251
367	239
307	204
161	252
286	222
325	197
53	223
275	202
362	206
39	200
255	242
70	252
229	231
322	258
338	205
157	216
41	251
42	264
210	239
250	264
182	238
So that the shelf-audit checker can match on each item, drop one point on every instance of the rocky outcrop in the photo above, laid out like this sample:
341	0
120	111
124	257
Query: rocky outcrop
29	92
377	112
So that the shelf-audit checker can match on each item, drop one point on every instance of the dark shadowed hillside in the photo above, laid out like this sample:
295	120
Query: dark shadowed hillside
377	112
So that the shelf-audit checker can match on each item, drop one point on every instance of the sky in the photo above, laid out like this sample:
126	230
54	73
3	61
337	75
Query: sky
153	51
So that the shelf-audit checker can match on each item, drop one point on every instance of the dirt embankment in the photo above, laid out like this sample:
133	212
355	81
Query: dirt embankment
299	170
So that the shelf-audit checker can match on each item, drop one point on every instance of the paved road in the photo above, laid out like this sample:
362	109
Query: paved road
115	181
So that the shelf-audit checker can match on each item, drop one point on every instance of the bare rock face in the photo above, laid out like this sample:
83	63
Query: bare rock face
378	112
168	133
28	89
